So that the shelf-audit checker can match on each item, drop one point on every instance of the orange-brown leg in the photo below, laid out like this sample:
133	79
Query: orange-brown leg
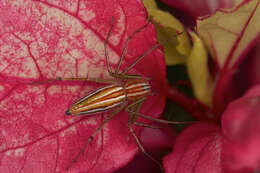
140	146
126	44
146	125
131	120
91	137
128	109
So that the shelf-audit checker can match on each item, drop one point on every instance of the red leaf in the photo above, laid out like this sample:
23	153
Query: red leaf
199	8
229	35
253	91
248	74
157	142
45	39
240	126
197	150
234	149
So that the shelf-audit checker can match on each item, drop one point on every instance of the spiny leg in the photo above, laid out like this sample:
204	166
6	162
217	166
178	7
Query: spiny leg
160	120
143	55
131	76
115	74
140	145
132	119
128	109
130	122
133	110
91	137
146	125
136	108
96	80
105	48
126	44
140	58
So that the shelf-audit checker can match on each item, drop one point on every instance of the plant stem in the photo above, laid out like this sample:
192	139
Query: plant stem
191	105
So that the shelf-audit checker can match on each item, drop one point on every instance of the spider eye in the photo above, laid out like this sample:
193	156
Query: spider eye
68	112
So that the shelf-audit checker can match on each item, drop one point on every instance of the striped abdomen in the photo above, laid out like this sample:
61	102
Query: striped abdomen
100	100
109	97
137	89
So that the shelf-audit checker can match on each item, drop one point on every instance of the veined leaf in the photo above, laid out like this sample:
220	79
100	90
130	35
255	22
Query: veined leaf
228	35
197	66
177	46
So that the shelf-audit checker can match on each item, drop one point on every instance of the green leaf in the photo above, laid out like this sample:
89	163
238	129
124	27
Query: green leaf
150	4
228	35
177	47
197	67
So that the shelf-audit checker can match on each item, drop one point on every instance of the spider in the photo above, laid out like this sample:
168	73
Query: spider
127	91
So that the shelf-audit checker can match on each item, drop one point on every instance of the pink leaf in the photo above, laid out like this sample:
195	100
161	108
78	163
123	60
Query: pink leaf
253	91
229	36
240	127
157	143
248	74
49	39
199	8
234	149
197	150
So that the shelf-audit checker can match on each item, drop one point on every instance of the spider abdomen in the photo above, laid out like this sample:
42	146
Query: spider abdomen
102	99
137	89
109	97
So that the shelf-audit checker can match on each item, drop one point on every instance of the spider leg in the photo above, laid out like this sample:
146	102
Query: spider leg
96	80
140	58
144	54
131	76
105	48
141	146
146	125
136	108
132	119
128	109
126	44
91	137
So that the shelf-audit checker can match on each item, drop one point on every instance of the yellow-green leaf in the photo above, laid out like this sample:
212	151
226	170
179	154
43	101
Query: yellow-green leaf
197	66
150	4
177	47
228	35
